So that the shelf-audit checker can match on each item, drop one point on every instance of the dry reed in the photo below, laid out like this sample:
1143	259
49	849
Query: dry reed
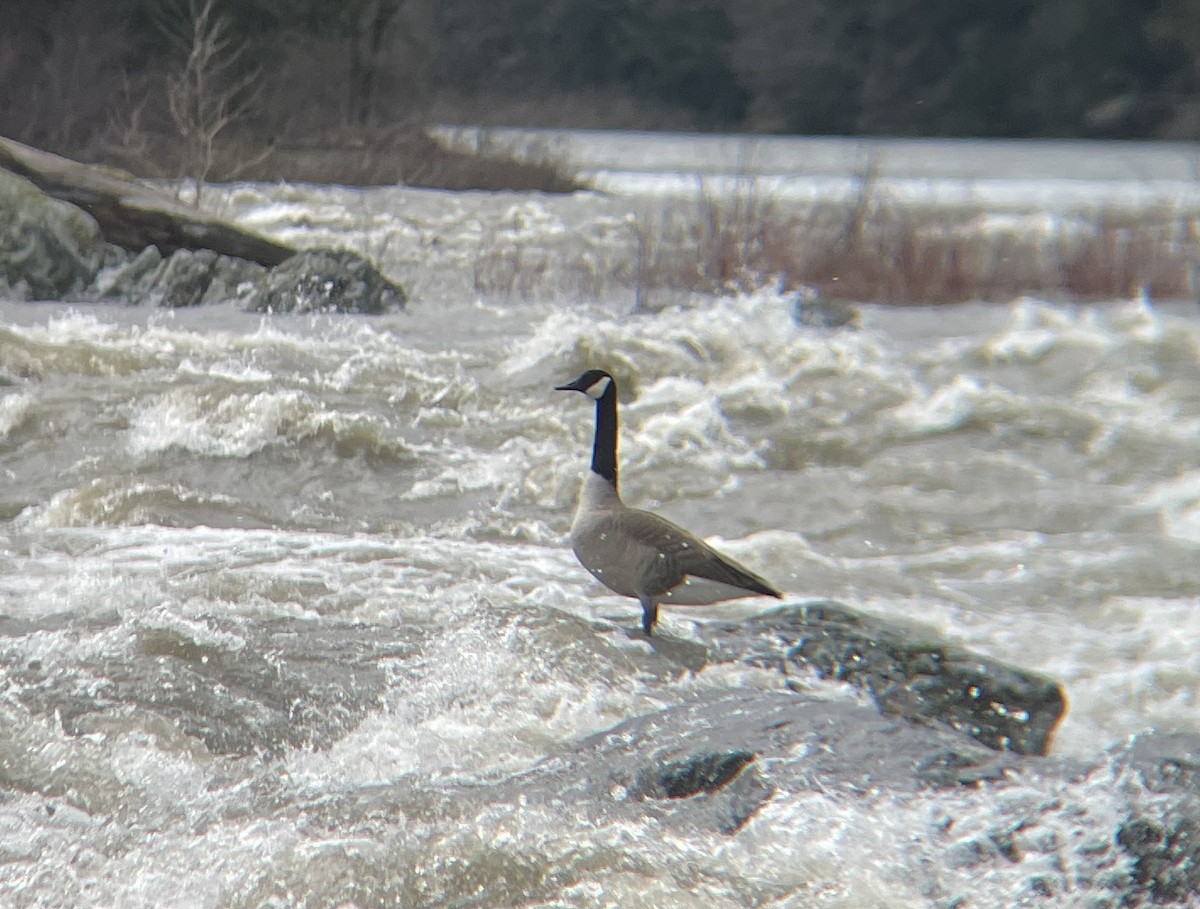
872	248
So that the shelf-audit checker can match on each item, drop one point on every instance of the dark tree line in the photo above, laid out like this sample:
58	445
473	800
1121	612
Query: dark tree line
971	67
92	76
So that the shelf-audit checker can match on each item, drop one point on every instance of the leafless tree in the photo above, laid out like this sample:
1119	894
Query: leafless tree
212	89
125	137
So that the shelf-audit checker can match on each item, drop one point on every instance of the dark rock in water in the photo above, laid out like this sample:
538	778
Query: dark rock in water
48	249
706	772
325	281
999	705
1163	840
1166	858
189	278
185	278
812	310
705	748
317	281
127	277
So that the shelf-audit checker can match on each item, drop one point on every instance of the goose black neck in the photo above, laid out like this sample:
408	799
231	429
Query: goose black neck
604	447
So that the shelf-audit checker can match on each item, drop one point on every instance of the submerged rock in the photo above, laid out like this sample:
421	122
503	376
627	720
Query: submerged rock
954	815
999	705
326	281
713	762
48	249
728	751
286	688
812	310
1162	837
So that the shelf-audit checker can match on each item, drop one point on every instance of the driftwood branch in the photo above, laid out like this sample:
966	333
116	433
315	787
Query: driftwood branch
133	215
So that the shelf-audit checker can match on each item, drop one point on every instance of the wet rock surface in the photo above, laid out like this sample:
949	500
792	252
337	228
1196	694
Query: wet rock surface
326	281
51	250
1162	835
1027	826
908	675
185	278
964	709
48	249
715	761
729	750
130	213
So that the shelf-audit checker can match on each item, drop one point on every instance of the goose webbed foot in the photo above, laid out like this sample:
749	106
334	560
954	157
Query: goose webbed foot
649	615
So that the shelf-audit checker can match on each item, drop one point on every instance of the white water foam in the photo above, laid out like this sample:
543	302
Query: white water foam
15	409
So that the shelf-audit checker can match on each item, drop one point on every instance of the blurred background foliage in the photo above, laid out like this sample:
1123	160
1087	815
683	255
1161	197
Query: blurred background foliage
107	79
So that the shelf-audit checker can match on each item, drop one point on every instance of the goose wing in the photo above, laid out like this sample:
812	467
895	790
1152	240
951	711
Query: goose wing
682	556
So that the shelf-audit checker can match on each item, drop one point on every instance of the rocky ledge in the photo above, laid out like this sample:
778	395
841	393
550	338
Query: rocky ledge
51	249
309	281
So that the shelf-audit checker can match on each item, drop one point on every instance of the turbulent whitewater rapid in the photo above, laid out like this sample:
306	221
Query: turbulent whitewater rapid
286	602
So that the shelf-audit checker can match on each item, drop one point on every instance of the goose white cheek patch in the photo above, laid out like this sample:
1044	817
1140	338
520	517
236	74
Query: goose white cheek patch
596	390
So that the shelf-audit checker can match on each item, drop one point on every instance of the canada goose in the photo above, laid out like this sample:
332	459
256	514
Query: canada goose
636	553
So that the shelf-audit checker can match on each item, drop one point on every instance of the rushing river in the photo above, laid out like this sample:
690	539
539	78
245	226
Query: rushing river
274	589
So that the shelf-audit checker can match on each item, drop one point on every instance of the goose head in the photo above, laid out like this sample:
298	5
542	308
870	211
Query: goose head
595	383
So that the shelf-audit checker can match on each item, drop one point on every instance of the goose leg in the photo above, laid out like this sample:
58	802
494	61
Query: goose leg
649	615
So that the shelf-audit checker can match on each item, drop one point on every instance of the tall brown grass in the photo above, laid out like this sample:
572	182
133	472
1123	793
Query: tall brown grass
872	247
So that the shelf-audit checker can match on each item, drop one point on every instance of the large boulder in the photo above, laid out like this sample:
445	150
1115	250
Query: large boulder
326	281
48	249
132	215
905	673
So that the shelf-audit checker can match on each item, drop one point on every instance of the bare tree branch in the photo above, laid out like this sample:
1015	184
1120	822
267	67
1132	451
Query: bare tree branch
212	89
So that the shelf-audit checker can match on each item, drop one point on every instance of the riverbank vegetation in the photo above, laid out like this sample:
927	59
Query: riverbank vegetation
869	245
875	248
342	92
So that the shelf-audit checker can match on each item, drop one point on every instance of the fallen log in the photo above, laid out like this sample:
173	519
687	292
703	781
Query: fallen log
133	215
